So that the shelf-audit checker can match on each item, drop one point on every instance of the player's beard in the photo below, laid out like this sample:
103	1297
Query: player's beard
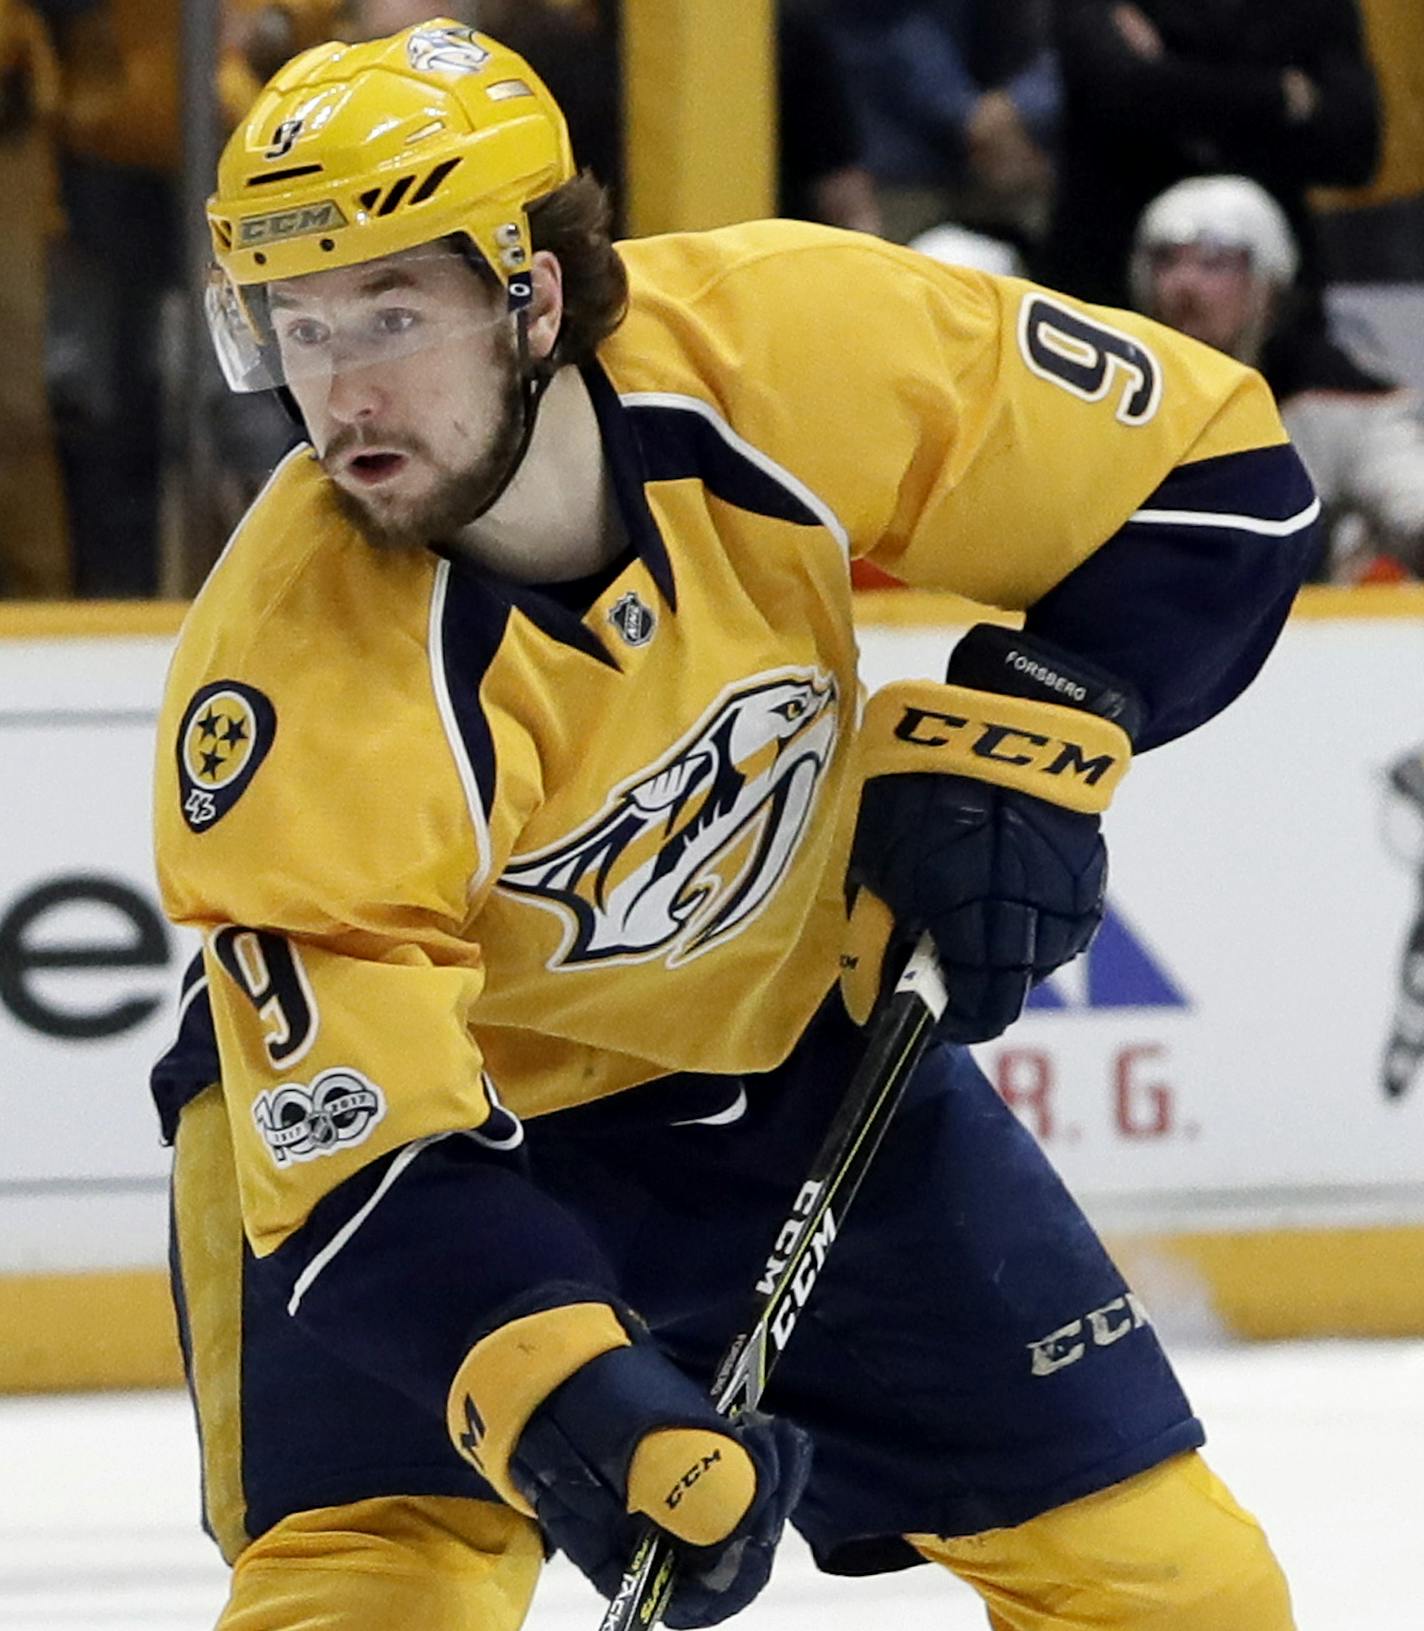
460	492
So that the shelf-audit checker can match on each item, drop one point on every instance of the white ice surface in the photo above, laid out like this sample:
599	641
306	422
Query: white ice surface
1323	1440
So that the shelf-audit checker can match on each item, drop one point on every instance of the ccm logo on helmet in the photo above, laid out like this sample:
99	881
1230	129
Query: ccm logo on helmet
266	229
1002	744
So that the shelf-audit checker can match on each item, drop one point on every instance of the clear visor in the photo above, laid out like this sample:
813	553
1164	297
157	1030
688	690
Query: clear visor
379	313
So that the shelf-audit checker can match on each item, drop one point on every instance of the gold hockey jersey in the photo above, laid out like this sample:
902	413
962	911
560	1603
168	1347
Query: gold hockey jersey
442	831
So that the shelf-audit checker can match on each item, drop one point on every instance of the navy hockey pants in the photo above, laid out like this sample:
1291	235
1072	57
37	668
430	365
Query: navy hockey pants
970	1356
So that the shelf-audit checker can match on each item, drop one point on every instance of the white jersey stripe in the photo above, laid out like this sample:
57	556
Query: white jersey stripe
473	801
719	1118
189	997
1230	523
308	1277
754	455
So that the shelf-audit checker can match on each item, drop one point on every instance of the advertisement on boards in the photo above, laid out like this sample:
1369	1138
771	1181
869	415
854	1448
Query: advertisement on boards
88	966
1241	1047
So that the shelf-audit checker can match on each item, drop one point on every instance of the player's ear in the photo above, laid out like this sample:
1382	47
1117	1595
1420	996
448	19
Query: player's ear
546	312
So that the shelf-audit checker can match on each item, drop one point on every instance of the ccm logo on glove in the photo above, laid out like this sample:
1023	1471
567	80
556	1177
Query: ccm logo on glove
576	1417
990	741
689	1478
696	1484
979	824
1055	752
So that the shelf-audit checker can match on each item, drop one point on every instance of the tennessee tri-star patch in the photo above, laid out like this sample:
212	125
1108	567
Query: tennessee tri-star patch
226	732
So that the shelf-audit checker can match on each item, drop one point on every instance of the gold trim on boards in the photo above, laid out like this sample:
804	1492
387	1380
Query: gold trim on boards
76	1332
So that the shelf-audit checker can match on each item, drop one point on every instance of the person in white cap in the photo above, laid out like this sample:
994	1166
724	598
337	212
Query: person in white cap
1214	256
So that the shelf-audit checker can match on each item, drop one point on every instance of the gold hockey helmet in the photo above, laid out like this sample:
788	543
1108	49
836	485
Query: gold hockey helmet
356	152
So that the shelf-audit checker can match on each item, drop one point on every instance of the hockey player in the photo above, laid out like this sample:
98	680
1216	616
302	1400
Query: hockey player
1215	257
510	765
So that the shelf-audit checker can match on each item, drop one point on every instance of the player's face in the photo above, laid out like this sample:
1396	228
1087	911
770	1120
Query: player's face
1207	292
404	370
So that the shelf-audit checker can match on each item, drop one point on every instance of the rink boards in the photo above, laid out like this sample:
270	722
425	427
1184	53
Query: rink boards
1207	1079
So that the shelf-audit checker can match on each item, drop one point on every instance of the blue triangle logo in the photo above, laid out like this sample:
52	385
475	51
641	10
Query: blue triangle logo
1118	970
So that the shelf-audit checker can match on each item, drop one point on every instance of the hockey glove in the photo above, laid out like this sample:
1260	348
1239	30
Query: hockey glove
578	1419
979	823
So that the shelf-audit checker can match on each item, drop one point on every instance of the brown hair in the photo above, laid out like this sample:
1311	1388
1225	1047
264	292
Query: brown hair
574	223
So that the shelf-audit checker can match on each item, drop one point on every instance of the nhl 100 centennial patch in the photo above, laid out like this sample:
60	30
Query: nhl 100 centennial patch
300	1123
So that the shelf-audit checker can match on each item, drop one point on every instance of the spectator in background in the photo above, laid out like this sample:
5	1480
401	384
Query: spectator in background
959	101
1214	256
573	46
121	257
258	36
1279	90
371	19
34	547
822	175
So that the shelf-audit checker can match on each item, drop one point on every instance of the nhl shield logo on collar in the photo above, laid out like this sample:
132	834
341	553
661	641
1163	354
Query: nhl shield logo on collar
225	735
633	619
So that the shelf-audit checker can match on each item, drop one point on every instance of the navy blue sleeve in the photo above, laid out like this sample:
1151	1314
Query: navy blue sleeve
1185	601
405	1265
191	1062
1194	95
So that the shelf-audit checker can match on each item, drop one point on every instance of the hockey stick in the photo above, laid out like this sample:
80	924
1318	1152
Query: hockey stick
799	1251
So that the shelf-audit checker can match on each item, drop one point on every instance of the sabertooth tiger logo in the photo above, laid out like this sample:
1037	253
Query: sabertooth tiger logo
450	50
687	853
